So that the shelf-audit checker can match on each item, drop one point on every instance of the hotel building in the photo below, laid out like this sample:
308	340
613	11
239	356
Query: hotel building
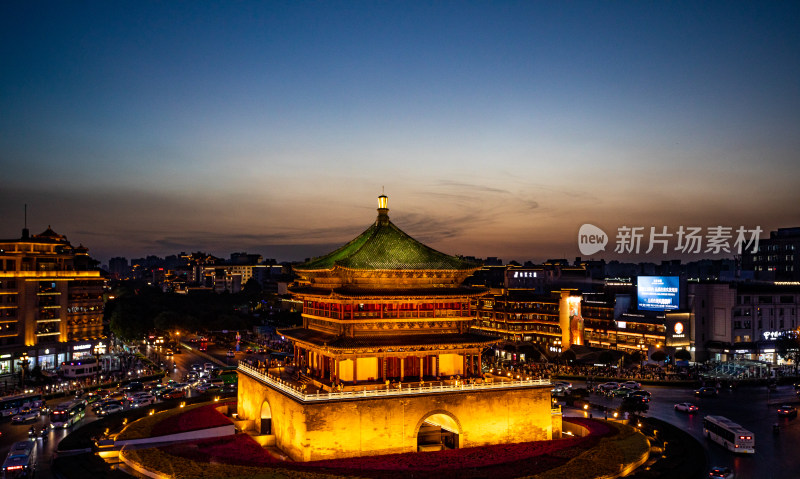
51	306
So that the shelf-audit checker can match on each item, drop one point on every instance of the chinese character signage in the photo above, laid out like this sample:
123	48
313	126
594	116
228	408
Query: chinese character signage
658	293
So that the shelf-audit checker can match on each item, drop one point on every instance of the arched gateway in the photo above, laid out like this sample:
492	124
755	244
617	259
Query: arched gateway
438	430
386	360
266	418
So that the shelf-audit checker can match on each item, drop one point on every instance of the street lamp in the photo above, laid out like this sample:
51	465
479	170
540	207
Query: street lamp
97	362
24	362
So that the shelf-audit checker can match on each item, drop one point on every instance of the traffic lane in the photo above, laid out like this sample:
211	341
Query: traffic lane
774	456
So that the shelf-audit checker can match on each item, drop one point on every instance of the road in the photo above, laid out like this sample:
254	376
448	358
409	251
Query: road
776	454
11	433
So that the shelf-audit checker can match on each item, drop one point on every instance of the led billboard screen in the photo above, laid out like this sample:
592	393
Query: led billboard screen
658	293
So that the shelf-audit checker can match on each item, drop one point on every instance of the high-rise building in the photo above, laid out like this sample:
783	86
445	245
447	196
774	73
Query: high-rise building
51	306
777	258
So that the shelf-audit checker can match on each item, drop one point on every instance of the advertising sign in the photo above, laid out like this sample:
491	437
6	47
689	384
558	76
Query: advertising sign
658	293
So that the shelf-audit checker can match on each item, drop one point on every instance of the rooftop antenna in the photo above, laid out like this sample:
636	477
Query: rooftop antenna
25	232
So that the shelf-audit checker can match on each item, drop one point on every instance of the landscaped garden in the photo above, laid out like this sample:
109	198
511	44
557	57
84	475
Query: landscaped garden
601	452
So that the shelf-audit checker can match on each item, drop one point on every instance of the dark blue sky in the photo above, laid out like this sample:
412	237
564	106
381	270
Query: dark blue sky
496	128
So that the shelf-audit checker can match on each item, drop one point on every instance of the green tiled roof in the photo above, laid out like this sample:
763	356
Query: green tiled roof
384	246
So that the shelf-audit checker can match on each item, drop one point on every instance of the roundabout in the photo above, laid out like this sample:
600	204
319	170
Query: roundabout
590	448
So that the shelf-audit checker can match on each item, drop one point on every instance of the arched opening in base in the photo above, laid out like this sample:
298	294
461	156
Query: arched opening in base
266	418
437	432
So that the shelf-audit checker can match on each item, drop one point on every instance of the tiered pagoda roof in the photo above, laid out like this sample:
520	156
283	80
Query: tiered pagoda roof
383	257
384	246
385	266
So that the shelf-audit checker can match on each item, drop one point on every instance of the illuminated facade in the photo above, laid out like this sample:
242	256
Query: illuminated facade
551	322
386	358
51	307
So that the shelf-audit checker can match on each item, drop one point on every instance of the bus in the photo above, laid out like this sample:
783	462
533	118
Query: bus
66	414
10	406
20	461
729	434
81	368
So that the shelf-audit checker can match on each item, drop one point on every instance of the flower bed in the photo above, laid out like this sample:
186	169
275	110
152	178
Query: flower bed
239	449
202	417
242	456
148	425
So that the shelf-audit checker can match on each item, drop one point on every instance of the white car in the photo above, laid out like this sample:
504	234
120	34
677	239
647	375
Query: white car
136	395
686	407
110	409
26	414
142	401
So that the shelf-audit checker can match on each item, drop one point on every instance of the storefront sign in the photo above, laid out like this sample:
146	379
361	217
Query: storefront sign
81	347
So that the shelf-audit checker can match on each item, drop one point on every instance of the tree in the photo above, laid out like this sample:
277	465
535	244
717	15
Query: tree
659	356
131	319
683	355
167	320
788	347
605	358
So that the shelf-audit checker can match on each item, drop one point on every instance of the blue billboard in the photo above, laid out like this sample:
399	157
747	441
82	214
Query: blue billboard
658	293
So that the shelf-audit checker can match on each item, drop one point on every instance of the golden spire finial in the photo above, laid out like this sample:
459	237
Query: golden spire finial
383	209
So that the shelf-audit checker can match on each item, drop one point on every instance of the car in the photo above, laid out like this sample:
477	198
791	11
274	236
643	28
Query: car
721	472
706	392
620	391
132	396
98	394
208	388
100	405
108	406
134	387
174	394
631	385
231	354
635	403
560	388
169	352
230	388
686	407
143	401
787	411
197	367
248	351
26	414
609	386
640	393
208	366
110	409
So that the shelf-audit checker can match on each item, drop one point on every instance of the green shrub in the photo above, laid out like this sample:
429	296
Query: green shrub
607	458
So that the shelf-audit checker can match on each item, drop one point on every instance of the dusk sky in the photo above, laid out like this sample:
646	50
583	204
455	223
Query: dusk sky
496	128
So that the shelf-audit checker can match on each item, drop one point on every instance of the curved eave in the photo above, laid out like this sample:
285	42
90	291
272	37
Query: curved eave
387	344
399	294
469	269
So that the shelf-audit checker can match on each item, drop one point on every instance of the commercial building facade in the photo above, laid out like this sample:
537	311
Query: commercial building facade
51	304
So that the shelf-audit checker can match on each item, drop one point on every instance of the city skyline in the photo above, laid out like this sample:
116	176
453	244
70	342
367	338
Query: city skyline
495	130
